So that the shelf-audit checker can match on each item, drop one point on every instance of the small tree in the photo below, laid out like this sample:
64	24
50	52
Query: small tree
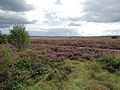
19	37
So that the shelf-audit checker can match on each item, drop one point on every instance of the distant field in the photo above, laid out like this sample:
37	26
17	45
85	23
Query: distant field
79	38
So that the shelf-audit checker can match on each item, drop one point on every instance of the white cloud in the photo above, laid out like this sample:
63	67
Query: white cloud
69	12
67	8
98	29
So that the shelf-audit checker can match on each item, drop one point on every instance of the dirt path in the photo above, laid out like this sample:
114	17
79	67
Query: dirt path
98	48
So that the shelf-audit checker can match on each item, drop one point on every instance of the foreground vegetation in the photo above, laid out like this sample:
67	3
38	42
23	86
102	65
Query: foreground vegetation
58	64
19	70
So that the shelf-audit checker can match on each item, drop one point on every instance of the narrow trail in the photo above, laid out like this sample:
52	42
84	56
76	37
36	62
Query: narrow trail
98	48
87	74
84	74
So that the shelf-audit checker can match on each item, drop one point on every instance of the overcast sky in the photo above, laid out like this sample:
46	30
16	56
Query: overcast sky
62	17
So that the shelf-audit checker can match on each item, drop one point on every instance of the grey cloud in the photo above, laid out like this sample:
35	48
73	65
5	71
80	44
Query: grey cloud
102	11
12	12
7	19
15	5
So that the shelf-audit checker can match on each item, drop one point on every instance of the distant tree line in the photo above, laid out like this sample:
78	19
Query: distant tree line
115	37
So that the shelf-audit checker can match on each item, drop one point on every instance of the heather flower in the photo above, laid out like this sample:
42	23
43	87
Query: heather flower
37	64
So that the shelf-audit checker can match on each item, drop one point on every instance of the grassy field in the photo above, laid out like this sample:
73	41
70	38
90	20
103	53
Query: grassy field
86	75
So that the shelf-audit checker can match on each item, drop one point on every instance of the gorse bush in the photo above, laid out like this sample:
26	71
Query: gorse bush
110	63
19	37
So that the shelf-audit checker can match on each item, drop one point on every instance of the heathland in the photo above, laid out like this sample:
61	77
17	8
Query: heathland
61	63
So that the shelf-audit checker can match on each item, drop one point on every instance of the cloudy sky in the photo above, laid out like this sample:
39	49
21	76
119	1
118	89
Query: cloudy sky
62	17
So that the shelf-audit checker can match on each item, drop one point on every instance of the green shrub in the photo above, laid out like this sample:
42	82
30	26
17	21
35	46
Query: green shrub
19	37
27	69
4	38
110	63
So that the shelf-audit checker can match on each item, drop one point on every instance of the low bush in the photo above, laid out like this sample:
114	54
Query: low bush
110	63
5	51
4	39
